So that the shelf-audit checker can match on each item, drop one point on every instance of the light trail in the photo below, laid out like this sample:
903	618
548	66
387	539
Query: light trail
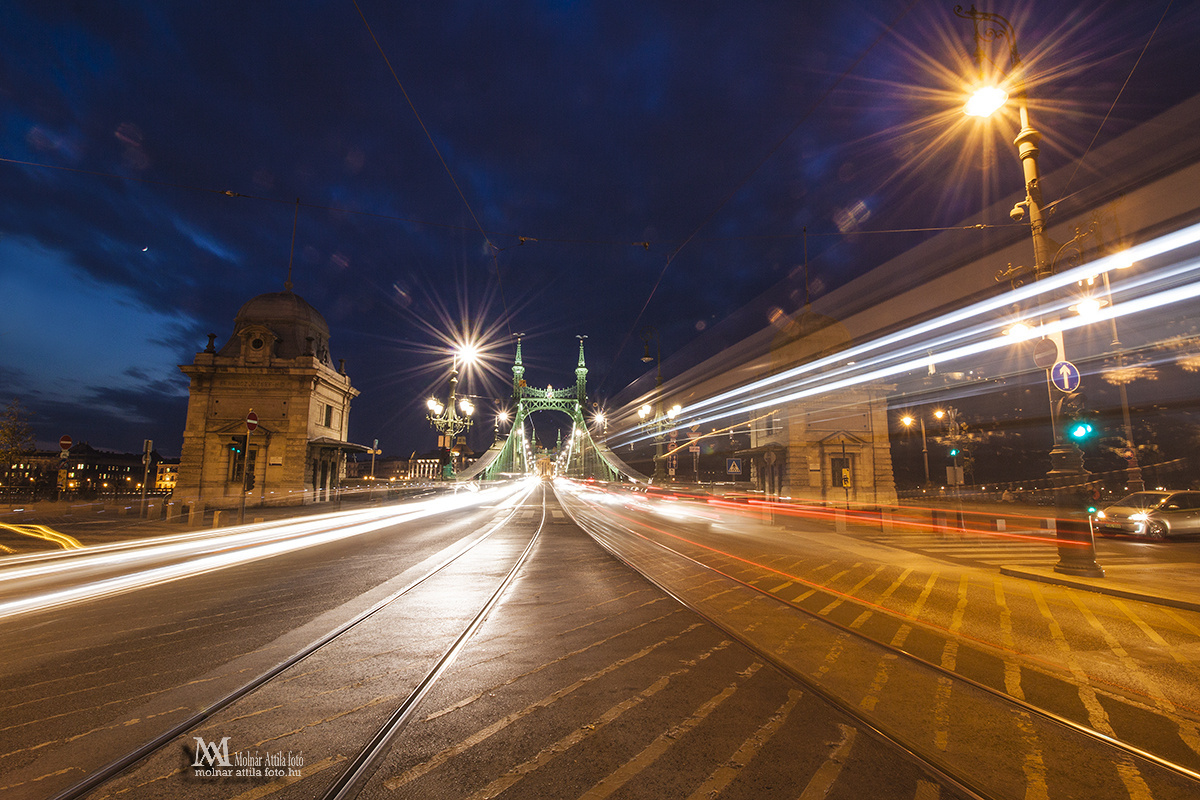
44	533
142	565
918	346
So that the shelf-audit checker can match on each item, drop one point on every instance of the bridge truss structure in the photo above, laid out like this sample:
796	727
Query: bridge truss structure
579	456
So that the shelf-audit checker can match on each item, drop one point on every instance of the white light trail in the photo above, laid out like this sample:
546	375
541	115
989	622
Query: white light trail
919	345
139	565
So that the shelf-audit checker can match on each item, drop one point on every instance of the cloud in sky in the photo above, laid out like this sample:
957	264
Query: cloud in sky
67	337
586	127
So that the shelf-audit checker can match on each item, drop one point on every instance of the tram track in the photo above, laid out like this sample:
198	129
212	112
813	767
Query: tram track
352	777
1182	781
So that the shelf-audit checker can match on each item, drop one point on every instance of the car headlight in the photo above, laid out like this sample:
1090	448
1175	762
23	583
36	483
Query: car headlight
1101	515
1138	517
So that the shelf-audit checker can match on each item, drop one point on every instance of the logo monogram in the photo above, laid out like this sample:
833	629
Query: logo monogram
212	754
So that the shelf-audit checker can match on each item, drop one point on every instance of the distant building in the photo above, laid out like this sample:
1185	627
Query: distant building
427	466
168	474
85	473
276	364
386	468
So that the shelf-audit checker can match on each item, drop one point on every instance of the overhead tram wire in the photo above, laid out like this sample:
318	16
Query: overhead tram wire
1121	91
740	184
441	158
298	203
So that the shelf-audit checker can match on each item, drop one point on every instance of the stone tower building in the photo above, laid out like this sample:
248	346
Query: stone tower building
830	447
276	364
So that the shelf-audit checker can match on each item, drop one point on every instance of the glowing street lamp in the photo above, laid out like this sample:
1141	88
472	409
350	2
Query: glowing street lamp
1066	459
453	417
908	421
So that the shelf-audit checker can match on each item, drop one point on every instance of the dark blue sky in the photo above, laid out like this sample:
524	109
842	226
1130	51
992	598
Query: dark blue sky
558	162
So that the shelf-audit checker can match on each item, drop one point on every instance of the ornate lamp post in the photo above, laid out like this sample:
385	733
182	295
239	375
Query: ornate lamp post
1066	460
657	422
445	417
1065	457
1121	375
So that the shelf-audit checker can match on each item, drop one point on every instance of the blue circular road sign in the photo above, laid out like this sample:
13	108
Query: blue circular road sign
1065	376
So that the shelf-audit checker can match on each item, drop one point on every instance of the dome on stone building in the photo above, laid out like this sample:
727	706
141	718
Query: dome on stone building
296	327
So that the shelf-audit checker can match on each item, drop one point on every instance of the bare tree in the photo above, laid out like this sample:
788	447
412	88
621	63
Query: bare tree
16	435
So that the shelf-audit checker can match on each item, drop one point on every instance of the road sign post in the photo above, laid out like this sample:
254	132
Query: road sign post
251	425
147	447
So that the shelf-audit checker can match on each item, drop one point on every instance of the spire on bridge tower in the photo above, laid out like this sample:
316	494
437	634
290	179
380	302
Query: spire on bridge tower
581	375
518	371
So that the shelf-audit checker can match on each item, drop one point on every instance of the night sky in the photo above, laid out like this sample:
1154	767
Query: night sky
455	170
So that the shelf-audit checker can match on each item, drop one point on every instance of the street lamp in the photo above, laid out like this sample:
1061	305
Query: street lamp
453	417
1066	460
908	421
653	418
1092	306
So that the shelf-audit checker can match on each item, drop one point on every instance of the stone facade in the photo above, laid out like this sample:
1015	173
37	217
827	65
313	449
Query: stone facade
801	448
277	365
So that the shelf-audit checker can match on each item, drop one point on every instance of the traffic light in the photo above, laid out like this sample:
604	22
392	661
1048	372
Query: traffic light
954	452
1074	417
1080	431
237	445
249	480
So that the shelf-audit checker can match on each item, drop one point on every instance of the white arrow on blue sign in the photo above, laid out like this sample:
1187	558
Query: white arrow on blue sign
1065	376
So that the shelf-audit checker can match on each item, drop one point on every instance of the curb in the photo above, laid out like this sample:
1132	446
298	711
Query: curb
1096	585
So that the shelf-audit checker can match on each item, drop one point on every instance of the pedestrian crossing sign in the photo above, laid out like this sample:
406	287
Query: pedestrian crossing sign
733	466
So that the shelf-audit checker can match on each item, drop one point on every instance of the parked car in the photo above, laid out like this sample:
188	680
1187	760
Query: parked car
1156	515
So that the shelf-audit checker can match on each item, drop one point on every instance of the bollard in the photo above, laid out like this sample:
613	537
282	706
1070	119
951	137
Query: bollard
839	520
1001	524
1076	542
217	518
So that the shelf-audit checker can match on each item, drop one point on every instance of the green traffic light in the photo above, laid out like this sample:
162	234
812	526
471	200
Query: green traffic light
954	452
1081	430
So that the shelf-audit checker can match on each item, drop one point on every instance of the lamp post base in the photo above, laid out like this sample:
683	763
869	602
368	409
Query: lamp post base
1076	541
1066	460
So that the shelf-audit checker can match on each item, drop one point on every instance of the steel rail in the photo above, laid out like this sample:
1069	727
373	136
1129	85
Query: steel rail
927	762
1024	705
1075	727
124	762
356	775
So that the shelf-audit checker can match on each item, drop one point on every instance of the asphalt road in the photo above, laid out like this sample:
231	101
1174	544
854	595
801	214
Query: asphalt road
611	666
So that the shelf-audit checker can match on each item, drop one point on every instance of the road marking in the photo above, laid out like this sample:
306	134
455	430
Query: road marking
724	774
884	671
930	791
822	781
915	612
653	751
861	619
1157	638
417	771
274	786
1012	666
1187	730
548	754
852	591
1097	716
941	706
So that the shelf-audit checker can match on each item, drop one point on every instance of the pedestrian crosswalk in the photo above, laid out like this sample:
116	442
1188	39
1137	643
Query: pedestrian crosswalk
980	548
